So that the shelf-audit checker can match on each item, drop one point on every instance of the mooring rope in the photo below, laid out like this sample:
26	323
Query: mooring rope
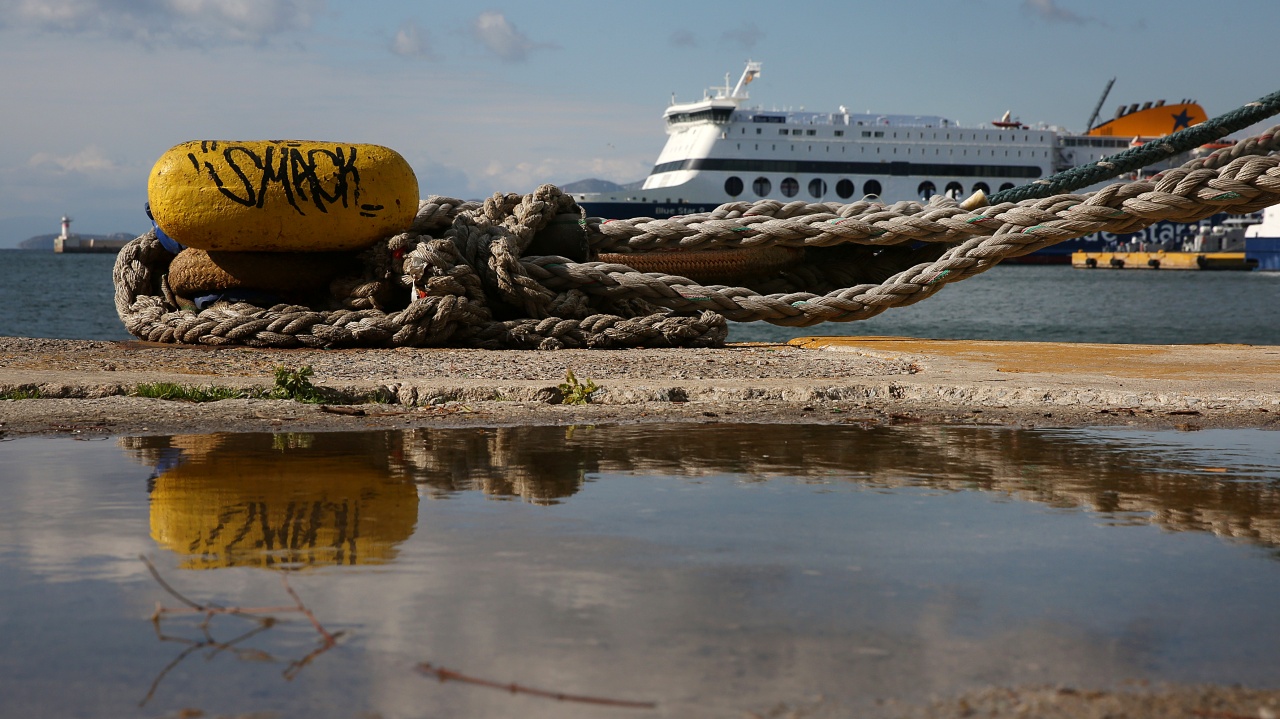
473	286
1146	154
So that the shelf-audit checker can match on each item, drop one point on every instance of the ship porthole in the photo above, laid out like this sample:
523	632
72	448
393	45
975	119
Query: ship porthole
789	187
844	189
954	190
984	187
733	186
926	190
761	186
872	187
817	187
1006	186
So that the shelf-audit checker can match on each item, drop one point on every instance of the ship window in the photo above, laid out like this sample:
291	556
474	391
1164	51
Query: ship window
783	131
866	133
880	133
759	130
733	186
981	186
789	187
954	190
761	186
1006	186
844	189
817	187
926	190
839	133
810	132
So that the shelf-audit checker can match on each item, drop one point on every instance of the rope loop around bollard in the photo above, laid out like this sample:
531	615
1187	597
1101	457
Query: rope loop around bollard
460	276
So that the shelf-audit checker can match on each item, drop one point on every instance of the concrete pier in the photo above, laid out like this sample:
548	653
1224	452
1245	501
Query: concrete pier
87	386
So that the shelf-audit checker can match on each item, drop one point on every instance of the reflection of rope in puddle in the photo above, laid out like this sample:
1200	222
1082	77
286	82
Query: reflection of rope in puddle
263	616
1111	477
221	492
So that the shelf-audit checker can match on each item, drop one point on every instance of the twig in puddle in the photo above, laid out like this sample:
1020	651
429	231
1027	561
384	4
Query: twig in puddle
262	616
208	641
445	675
328	638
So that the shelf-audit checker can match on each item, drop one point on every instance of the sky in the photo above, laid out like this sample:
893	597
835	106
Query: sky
481	99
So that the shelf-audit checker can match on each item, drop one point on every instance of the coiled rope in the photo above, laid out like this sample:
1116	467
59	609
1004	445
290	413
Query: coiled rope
473	286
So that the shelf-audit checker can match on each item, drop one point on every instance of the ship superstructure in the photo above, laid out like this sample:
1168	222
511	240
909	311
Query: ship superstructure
719	150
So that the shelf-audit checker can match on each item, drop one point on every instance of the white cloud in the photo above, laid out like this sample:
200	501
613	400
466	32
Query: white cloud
411	41
193	22
503	39
89	160
501	176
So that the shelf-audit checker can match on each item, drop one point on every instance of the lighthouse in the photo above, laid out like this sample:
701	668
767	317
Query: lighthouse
60	243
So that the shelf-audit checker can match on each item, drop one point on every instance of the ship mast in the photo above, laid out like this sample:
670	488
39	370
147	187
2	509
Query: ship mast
1094	117
749	74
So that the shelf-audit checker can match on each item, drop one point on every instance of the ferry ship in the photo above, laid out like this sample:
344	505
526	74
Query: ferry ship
721	150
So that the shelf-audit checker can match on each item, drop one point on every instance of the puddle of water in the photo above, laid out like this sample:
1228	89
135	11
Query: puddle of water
713	570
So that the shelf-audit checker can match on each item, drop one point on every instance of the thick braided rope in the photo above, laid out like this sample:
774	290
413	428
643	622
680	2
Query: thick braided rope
452	310
456	274
799	224
1244	185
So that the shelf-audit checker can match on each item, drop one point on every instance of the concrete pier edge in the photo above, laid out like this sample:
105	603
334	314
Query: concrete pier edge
87	385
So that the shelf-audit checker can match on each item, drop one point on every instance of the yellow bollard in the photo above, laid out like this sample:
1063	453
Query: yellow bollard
281	195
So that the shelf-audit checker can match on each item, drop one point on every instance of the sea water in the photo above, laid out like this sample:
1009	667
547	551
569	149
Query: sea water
70	296
708	570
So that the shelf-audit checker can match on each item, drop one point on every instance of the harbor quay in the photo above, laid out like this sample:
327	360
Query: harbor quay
54	386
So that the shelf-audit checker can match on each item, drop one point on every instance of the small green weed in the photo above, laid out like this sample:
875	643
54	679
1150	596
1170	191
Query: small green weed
21	393
295	384
574	392
170	390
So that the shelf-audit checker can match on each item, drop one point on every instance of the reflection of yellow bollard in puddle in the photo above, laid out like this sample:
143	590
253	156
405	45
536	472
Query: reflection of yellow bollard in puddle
244	501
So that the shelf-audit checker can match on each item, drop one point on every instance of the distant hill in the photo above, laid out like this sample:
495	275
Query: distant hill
45	242
595	185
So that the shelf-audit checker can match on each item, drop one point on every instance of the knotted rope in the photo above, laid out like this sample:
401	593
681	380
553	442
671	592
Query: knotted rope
473	286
